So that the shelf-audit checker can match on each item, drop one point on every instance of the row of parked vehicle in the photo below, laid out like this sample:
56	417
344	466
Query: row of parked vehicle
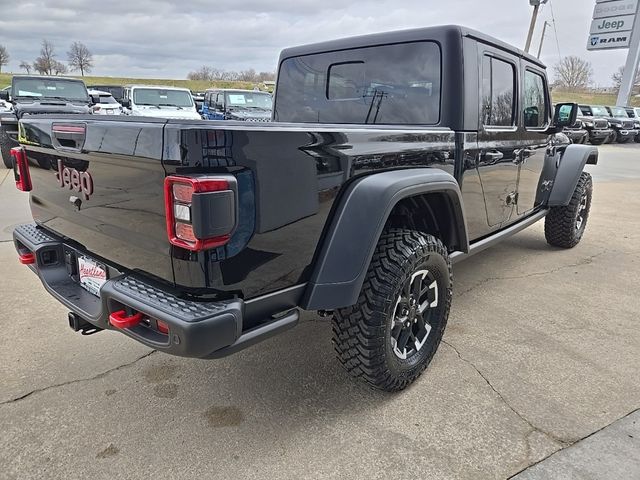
598	124
37	94
143	100
181	103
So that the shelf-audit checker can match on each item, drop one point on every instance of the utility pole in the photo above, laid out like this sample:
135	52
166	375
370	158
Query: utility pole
631	66
544	29
534	16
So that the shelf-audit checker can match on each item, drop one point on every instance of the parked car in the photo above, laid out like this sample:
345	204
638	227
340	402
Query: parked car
36	94
117	91
244	105
634	112
198	99
622	127
598	128
160	102
103	103
391	174
577	132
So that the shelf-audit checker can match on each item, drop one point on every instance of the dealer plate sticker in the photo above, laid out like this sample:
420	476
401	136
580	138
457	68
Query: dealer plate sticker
92	275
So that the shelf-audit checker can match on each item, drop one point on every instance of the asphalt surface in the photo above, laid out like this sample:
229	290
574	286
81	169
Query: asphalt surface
542	350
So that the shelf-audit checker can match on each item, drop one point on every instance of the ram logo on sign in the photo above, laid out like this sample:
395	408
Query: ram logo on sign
608	40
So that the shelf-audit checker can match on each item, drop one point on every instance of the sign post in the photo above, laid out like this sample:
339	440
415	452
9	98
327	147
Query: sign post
614	25
630	67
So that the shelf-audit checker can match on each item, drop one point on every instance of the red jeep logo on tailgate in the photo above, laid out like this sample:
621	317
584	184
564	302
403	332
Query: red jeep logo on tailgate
81	182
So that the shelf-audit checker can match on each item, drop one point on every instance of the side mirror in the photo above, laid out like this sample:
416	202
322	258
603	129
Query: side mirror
125	103
219	106
95	99
4	95
565	115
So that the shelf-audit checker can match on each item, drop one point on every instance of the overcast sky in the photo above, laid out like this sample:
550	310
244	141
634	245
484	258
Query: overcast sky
168	38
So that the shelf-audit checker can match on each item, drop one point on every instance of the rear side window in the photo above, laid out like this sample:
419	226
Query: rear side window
389	84
498	86
535	106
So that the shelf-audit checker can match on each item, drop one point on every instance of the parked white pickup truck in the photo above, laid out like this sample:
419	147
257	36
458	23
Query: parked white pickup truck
160	102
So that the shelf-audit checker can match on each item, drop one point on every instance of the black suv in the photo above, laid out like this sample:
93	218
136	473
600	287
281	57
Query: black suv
36	94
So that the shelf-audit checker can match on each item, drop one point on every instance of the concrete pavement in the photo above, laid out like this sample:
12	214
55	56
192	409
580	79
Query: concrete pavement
542	350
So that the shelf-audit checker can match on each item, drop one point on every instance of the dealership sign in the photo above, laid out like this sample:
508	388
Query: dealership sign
612	24
622	23
615	8
609	40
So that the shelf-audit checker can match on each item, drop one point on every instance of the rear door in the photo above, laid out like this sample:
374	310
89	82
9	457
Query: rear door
498	137
535	117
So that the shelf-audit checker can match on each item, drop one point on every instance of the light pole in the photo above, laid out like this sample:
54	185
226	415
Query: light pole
544	29
534	16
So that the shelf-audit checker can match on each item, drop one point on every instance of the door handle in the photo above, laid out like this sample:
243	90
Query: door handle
493	156
520	155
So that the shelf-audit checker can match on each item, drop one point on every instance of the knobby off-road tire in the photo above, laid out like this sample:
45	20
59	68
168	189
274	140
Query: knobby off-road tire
5	149
564	226
391	334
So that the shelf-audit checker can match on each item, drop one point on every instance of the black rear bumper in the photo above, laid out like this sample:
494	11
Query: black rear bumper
196	328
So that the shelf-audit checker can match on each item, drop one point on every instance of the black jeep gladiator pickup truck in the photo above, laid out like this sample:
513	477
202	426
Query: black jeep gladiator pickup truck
391	156
37	95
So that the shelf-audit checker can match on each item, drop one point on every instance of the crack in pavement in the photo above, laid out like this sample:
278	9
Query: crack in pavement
585	261
533	428
527	467
78	380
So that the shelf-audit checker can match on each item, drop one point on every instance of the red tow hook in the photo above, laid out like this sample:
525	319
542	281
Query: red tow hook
27	258
120	319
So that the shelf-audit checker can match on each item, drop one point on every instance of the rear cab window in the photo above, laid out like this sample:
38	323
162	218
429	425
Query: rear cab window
396	84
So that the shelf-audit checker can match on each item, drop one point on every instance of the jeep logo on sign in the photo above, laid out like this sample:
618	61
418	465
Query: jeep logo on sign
609	25
71	178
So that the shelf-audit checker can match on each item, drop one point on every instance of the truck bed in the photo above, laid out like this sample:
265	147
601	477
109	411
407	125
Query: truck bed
289	176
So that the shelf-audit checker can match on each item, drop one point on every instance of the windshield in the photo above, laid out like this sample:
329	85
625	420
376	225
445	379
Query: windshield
162	98
49	88
599	111
107	99
618	112
249	99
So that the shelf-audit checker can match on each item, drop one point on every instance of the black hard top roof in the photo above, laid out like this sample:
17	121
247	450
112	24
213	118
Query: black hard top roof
401	36
48	77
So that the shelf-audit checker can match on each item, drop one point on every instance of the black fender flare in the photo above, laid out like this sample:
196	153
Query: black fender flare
571	165
344	255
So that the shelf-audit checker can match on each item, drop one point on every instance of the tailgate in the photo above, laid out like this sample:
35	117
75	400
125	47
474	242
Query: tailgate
100	183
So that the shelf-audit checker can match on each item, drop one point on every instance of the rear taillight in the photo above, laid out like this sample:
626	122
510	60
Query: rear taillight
200	211
21	169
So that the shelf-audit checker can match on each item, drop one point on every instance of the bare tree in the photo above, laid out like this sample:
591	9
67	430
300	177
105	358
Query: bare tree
45	63
80	58
203	73
248	75
26	66
573	73
617	80
262	76
4	56
59	68
206	73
